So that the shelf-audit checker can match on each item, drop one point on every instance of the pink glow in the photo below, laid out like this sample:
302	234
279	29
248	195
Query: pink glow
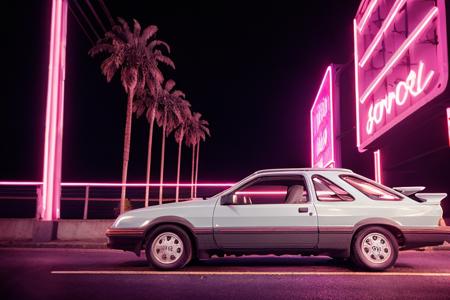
377	163
385	98
114	184
20	183
367	15
448	124
386	24
322	124
396	57
414	85
356	57
261	193
54	113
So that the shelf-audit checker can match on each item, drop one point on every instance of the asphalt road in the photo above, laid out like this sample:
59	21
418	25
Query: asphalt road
109	274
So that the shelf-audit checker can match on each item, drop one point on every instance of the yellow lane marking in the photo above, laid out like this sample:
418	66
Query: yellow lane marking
228	273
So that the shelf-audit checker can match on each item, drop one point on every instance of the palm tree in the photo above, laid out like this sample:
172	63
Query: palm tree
171	106
146	102
179	136
195	132
136	56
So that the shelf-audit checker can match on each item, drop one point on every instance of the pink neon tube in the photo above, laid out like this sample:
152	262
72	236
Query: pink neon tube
262	193
355	43
448	123
367	15
114	184
399	53
386	24
328	75
377	165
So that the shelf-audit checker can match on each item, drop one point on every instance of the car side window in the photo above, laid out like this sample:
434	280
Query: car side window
371	190
273	190
329	191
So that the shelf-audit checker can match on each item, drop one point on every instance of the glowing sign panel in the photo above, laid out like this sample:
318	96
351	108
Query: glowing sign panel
448	123
400	62
322	133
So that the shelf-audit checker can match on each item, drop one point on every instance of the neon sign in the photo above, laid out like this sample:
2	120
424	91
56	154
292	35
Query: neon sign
413	86
448	123
322	127
400	52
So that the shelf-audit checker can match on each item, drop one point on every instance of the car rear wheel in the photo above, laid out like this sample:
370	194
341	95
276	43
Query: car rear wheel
168	247
374	248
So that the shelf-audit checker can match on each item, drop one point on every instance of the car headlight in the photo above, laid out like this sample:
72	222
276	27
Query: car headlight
120	220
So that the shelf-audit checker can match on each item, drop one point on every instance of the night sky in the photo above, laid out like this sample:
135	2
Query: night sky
252	72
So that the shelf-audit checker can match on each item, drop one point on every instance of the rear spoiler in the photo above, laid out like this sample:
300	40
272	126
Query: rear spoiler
409	190
413	193
431	198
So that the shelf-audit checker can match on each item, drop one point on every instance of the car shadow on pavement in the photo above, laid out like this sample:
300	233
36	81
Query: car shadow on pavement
273	261
285	263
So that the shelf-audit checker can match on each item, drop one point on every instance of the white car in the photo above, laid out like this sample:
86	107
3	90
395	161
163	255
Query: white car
331	212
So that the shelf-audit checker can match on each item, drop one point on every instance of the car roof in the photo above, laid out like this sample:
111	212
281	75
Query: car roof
303	170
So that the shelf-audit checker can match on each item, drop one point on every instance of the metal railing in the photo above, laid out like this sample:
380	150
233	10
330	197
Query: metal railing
98	199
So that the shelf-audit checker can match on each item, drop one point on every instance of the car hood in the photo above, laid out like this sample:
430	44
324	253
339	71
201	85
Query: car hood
197	202
192	210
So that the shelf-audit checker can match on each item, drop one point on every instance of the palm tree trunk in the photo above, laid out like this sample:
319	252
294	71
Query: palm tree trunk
178	168
149	157
196	168
126	149
163	148
193	171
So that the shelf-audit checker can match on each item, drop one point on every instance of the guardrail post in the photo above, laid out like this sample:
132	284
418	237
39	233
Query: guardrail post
38	202
86	203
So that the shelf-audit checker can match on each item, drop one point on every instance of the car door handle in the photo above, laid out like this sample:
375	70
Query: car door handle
302	209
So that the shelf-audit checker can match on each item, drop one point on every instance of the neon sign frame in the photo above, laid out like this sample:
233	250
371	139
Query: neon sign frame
370	80
448	124
322	134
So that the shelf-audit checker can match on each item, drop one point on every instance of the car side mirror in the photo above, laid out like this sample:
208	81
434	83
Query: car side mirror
227	199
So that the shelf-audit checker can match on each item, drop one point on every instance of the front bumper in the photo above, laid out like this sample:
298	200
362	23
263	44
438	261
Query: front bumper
129	239
415	238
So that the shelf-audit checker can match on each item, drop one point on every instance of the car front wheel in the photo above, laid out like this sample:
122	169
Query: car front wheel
168	247
375	248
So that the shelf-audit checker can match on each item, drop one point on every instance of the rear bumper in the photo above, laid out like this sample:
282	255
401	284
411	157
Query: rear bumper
415	238
129	239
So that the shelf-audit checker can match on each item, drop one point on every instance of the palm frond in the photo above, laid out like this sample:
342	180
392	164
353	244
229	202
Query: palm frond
178	94
148	32
137	28
164	59
156	43
101	47
125	29
169	85
109	68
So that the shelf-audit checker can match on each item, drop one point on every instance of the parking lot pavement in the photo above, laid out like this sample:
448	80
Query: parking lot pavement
109	274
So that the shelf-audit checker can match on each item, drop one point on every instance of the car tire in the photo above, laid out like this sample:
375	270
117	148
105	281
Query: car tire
168	247
375	249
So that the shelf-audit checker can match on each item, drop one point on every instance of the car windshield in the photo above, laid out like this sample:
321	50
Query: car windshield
233	187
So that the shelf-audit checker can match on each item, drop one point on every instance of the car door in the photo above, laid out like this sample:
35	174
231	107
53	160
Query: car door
256	215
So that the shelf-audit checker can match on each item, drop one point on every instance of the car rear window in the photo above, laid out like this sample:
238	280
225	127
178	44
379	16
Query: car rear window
328	191
371	190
